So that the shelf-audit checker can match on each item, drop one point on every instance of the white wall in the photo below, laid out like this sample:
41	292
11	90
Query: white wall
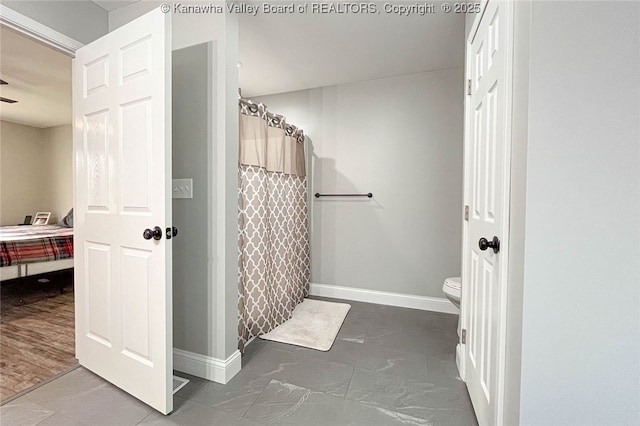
581	323
23	180
83	21
35	172
401	139
189	29
59	160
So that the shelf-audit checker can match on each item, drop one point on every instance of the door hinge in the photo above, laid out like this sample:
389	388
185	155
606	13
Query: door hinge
466	213
464	336
469	87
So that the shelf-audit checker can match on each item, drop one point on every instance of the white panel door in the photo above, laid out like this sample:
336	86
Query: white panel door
486	150
122	163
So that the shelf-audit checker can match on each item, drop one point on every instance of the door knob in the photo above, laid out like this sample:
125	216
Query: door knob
485	244
155	233
172	232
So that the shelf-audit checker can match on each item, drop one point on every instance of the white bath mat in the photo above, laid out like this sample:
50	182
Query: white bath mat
314	324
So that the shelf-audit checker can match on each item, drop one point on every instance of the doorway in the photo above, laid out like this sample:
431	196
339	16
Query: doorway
37	340
92	317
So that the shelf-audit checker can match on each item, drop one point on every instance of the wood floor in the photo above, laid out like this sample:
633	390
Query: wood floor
36	331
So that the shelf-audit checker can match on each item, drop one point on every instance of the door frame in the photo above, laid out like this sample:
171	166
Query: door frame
33	29
504	206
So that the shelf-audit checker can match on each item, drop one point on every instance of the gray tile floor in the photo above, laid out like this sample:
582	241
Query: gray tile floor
388	366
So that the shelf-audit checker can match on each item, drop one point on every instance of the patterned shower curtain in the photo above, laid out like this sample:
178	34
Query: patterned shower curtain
273	238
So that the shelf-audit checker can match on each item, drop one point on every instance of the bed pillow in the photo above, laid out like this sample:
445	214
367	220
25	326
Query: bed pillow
67	220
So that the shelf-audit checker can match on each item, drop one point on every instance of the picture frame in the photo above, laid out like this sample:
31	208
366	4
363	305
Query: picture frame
41	218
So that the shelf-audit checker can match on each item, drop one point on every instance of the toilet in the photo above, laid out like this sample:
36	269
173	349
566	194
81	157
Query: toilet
453	290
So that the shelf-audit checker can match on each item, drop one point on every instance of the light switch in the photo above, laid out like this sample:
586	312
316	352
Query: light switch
182	188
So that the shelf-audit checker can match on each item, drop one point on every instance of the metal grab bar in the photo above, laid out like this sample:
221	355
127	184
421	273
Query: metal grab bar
318	195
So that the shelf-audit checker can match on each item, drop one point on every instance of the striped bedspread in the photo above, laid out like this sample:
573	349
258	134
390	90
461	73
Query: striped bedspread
36	243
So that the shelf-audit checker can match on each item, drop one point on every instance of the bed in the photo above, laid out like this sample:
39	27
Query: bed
30	250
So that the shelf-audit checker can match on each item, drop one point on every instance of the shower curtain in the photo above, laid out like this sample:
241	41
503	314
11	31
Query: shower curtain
273	237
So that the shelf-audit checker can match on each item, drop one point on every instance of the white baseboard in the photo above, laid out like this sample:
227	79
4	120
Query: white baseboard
434	304
206	367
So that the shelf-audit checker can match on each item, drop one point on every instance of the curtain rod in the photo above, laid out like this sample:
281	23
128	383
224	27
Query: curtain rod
269	113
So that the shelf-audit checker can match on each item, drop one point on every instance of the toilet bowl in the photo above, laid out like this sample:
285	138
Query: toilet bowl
452	289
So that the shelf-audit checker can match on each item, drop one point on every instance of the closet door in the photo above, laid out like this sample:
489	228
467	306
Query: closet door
487	151
122	173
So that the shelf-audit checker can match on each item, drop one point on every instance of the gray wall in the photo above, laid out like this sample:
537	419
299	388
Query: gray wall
468	22
581	313
191	286
400	138
83	21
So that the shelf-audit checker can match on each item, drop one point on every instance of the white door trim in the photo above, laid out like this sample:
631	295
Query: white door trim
38	31
505	205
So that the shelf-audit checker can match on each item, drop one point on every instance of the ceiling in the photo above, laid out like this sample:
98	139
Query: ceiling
288	52
39	79
278	52
110	5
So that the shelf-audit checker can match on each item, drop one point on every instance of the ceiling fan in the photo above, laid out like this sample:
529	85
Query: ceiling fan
7	100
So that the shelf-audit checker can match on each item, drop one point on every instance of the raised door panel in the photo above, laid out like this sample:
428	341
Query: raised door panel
136	339
98	302
97	158
136	154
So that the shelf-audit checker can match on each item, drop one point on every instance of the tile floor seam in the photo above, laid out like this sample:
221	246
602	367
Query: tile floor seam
353	372
39	403
254	402
140	422
145	417
46	418
79	423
